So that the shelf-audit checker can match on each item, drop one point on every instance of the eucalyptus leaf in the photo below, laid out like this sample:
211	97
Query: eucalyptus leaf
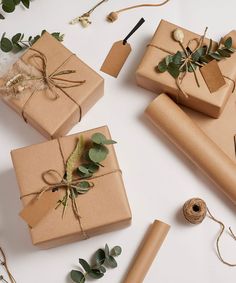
116	251
99	257
26	3
229	42
98	138
98	153
224	53
85	265
6	45
111	262
96	274
77	276
16	38
173	70
177	58
162	67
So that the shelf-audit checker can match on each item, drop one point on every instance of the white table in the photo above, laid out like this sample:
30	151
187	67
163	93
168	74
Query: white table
158	178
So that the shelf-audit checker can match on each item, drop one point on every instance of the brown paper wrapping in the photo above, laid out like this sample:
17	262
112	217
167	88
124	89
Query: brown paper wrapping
147	252
54	118
199	99
104	208
189	138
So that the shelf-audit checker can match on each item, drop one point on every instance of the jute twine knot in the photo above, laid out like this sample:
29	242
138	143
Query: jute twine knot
195	211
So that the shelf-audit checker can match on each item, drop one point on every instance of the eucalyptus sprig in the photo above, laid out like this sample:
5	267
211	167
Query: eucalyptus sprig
189	60
102	259
9	6
77	179
18	42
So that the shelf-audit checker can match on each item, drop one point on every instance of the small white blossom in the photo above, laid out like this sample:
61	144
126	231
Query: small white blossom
178	35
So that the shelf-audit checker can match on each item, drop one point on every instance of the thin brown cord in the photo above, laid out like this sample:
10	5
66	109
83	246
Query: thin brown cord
3	262
219	237
142	5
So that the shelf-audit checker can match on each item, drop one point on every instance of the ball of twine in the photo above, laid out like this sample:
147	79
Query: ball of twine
195	210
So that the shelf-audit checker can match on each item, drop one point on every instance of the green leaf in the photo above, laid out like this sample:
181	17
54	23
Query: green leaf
177	58
107	252
2	17
228	43
224	53
84	169
26	3
93	168
96	274
215	56
8	6
17	47
210	46
107	142
98	153
75	156
99	257
169	59
162	67
16	38
198	53
173	70
6	45
192	67
98	138
116	251
77	276
85	265
110	261
17	2
102	269
84	185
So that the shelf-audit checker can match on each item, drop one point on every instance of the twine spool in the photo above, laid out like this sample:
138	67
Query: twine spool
195	210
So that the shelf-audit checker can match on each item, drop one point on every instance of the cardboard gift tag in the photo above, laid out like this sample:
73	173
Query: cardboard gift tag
37	209
116	58
212	76
118	54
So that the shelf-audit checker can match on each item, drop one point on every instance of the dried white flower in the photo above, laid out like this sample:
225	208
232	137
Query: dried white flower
178	35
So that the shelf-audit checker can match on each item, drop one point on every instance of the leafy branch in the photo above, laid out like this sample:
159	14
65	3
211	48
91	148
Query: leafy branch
188	61
92	154
18	42
9	6
102	259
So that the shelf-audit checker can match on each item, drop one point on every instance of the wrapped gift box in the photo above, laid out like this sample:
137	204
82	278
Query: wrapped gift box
199	98
102	209
51	116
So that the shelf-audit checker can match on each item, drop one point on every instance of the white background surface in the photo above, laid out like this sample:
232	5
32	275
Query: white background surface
158	178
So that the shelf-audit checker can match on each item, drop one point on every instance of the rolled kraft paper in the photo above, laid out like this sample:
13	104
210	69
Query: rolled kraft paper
188	137
147	253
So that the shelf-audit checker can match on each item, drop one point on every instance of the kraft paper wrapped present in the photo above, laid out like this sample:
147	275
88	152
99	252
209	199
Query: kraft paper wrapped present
61	92
199	98
102	209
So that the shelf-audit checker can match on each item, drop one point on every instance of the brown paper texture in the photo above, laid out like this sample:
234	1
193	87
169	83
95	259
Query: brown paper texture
195	143
54	118
116	58
212	76
104	208
199	99
147	252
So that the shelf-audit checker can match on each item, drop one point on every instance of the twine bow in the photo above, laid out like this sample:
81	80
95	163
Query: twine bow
54	80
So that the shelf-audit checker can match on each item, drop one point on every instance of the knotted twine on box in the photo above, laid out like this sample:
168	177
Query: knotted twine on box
195	211
67	186
32	78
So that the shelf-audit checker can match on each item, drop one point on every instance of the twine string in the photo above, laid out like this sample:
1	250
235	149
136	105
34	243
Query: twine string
52	81
195	211
3	262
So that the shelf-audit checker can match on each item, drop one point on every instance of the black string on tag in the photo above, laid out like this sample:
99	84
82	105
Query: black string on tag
138	25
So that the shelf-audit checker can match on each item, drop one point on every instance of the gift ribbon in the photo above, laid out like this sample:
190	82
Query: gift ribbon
51	80
179	80
65	185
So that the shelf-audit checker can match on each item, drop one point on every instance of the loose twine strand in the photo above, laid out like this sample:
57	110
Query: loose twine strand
195	210
3	262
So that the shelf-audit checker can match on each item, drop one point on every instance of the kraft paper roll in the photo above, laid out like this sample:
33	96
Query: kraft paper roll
189	138
147	252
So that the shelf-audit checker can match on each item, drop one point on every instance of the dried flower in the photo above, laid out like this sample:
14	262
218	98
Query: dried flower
112	17
178	35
